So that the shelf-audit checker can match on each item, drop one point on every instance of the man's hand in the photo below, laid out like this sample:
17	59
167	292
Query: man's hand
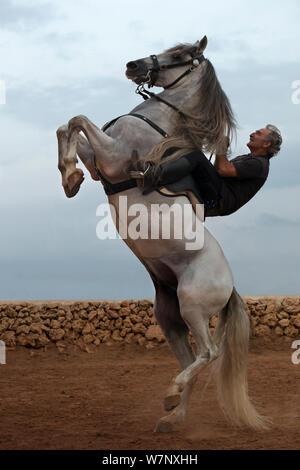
222	147
223	166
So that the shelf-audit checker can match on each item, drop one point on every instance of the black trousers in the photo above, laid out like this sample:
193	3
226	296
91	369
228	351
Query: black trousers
205	175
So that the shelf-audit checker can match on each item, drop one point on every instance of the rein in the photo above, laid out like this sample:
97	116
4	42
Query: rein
141	90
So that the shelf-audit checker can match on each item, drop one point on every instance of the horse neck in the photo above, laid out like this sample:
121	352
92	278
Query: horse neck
182	96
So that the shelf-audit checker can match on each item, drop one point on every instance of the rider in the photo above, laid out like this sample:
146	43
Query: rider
227	185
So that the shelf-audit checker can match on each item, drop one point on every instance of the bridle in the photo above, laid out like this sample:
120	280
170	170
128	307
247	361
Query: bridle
153	72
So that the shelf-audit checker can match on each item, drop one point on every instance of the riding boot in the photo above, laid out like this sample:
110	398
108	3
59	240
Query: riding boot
151	177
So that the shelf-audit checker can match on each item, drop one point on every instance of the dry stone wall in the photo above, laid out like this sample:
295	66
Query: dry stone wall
89	323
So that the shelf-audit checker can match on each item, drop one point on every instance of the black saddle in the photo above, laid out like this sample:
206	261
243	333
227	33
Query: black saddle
186	183
186	186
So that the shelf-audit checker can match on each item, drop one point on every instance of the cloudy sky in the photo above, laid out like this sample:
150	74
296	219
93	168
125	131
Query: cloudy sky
60	59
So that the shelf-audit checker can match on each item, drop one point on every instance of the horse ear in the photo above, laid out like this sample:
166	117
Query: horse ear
201	45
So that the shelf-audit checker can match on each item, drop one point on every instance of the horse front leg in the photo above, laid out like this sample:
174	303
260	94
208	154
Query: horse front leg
86	155
70	143
109	156
72	177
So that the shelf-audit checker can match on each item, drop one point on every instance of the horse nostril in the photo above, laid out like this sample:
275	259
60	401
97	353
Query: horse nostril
132	65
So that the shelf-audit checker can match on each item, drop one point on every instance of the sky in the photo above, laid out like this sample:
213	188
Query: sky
61	59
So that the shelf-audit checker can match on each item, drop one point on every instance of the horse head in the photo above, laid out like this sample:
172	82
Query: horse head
166	69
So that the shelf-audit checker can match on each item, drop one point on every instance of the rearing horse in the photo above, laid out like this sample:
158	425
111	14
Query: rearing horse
191	286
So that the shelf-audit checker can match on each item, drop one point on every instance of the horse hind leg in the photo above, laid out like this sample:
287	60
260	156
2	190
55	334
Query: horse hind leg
207	352
166	309
72	177
197	320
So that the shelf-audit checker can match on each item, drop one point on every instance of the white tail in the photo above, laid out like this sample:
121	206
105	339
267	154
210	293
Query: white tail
230	369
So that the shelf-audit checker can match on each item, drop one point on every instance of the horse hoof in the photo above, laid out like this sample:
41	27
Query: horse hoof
74	181
172	401
163	426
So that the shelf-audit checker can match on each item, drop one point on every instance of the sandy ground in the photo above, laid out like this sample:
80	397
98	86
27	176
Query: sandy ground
112	398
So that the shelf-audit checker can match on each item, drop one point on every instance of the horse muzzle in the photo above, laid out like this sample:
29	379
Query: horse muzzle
137	71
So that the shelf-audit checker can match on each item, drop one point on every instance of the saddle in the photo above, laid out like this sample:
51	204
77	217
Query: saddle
186	187
183	187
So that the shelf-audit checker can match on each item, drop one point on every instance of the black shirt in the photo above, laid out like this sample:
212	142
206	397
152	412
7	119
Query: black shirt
252	172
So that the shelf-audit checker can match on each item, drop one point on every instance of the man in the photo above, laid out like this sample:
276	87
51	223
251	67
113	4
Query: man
227	185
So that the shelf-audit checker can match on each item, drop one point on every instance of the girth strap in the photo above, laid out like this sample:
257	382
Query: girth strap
114	188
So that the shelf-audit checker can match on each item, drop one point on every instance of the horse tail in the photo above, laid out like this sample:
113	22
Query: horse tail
230	368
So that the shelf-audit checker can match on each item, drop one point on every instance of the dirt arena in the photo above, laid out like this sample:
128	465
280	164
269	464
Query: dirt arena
112	398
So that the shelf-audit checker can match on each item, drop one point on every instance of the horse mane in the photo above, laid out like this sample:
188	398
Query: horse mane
204	130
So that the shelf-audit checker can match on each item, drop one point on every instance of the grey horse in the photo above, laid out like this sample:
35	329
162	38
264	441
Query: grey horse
191	286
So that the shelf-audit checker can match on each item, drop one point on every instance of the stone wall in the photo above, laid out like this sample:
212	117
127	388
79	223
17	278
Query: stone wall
89	323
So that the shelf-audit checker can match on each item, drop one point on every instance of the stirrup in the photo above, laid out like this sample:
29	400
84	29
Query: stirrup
140	174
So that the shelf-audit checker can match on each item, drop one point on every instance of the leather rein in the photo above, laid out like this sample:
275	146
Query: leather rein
152	75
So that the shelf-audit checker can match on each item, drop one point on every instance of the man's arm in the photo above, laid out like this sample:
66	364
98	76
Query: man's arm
224	167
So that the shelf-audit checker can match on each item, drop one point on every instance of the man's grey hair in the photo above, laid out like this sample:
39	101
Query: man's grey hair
276	140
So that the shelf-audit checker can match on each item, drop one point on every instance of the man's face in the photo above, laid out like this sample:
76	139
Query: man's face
258	142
